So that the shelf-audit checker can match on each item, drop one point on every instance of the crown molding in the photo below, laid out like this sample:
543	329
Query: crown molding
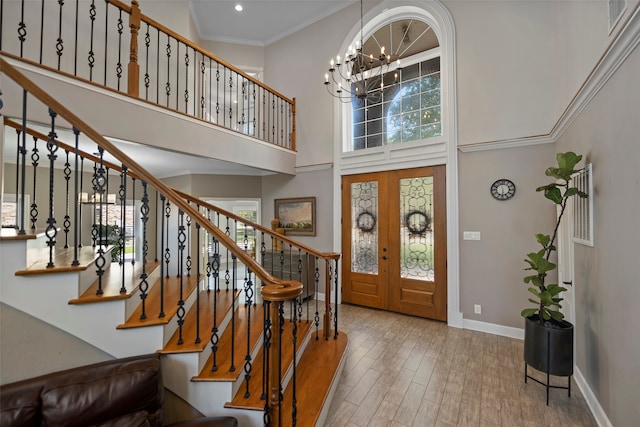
624	42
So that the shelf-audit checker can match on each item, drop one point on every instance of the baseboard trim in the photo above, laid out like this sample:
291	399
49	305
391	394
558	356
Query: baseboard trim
592	400
492	328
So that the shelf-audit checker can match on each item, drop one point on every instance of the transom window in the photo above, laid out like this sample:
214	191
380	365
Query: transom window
407	111
405	104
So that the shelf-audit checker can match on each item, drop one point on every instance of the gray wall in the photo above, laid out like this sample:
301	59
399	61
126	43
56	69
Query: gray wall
30	347
491	269
606	280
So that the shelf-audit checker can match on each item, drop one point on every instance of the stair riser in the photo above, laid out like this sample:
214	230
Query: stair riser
134	301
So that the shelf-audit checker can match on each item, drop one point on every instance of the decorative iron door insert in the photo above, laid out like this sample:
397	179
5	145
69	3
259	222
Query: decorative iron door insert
394	241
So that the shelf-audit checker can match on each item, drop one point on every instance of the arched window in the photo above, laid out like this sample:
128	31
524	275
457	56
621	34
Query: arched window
402	103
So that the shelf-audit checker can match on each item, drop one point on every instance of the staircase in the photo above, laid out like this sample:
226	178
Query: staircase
232	334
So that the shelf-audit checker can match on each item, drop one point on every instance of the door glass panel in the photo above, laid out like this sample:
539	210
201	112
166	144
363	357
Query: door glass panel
364	227
416	231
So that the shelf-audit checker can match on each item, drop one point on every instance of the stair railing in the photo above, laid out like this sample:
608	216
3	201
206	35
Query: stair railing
163	67
274	291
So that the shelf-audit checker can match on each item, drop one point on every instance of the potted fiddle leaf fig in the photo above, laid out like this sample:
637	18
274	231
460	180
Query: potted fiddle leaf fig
548	342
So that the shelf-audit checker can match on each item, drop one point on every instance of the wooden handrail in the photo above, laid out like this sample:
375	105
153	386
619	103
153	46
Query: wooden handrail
274	288
184	40
131	172
309	250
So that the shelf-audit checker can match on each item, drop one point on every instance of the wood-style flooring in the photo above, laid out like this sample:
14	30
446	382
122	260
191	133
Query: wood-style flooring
407	371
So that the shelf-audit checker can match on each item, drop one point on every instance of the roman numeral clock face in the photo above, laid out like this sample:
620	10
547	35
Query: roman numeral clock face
503	189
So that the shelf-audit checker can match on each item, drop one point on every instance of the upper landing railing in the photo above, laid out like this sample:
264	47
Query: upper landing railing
89	40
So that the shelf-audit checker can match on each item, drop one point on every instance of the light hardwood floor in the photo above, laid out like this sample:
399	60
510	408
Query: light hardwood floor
406	371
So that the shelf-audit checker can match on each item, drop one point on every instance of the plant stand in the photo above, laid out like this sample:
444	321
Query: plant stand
549	350
547	384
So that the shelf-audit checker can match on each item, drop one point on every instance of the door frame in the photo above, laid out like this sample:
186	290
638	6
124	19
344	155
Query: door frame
436	151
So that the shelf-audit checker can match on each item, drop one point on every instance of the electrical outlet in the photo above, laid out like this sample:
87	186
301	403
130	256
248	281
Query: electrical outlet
477	309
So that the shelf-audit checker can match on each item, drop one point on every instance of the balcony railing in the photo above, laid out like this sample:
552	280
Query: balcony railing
114	45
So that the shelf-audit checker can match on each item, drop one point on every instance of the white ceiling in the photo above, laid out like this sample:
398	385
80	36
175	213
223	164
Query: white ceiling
262	21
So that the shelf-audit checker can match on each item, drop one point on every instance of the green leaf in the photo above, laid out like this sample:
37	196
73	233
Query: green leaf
568	160
582	194
556	315
555	289
553	194
531	300
535	292
528	312
543	239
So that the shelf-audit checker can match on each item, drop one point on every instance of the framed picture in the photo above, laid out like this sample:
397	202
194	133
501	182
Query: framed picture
297	216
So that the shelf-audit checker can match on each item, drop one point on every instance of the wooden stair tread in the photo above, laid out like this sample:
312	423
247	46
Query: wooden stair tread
315	374
223	355
254	401
12	234
189	331
112	283
62	260
152	302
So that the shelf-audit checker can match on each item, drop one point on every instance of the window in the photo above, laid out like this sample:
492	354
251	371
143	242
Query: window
583	208
11	211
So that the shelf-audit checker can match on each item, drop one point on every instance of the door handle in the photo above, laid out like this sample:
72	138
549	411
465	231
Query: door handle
570	282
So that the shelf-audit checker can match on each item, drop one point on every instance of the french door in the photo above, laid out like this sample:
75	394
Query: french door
394	241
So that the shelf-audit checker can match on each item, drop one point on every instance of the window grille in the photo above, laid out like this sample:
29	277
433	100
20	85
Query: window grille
583	208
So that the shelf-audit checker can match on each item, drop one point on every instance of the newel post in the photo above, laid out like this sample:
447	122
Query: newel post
134	68
275	350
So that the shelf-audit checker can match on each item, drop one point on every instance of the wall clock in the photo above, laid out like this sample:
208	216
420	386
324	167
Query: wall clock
503	189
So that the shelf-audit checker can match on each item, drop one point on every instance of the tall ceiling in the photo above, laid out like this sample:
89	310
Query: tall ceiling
261	22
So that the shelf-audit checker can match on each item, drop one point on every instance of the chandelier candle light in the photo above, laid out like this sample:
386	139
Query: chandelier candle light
360	74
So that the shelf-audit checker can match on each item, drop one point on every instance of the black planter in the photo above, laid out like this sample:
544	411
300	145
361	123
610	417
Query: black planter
549	349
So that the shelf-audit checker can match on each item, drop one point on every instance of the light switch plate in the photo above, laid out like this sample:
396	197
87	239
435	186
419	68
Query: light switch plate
471	235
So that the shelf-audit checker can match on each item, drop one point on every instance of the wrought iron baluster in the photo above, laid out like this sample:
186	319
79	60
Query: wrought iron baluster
198	277
76	200
202	85
94	226
265	365
168	85
101	183
21	164
119	63
144	285
233	314
273	119
306	285
181	244
215	270
218	93
231	99
35	158
133	228
281	326
59	41
177	74
77	133
186	80
167	251
163	235
189	262
248	289
122	192
264	114
75	48
52	148
294	400
92	56
22	29
106	38
41	30
147	79
157	66
67	219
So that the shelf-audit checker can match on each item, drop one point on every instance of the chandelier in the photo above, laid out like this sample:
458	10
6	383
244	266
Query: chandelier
358	75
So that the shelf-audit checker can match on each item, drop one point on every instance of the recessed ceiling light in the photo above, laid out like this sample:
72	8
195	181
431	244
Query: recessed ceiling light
238	8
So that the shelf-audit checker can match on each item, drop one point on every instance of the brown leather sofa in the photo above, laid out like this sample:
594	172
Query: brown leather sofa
124	393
